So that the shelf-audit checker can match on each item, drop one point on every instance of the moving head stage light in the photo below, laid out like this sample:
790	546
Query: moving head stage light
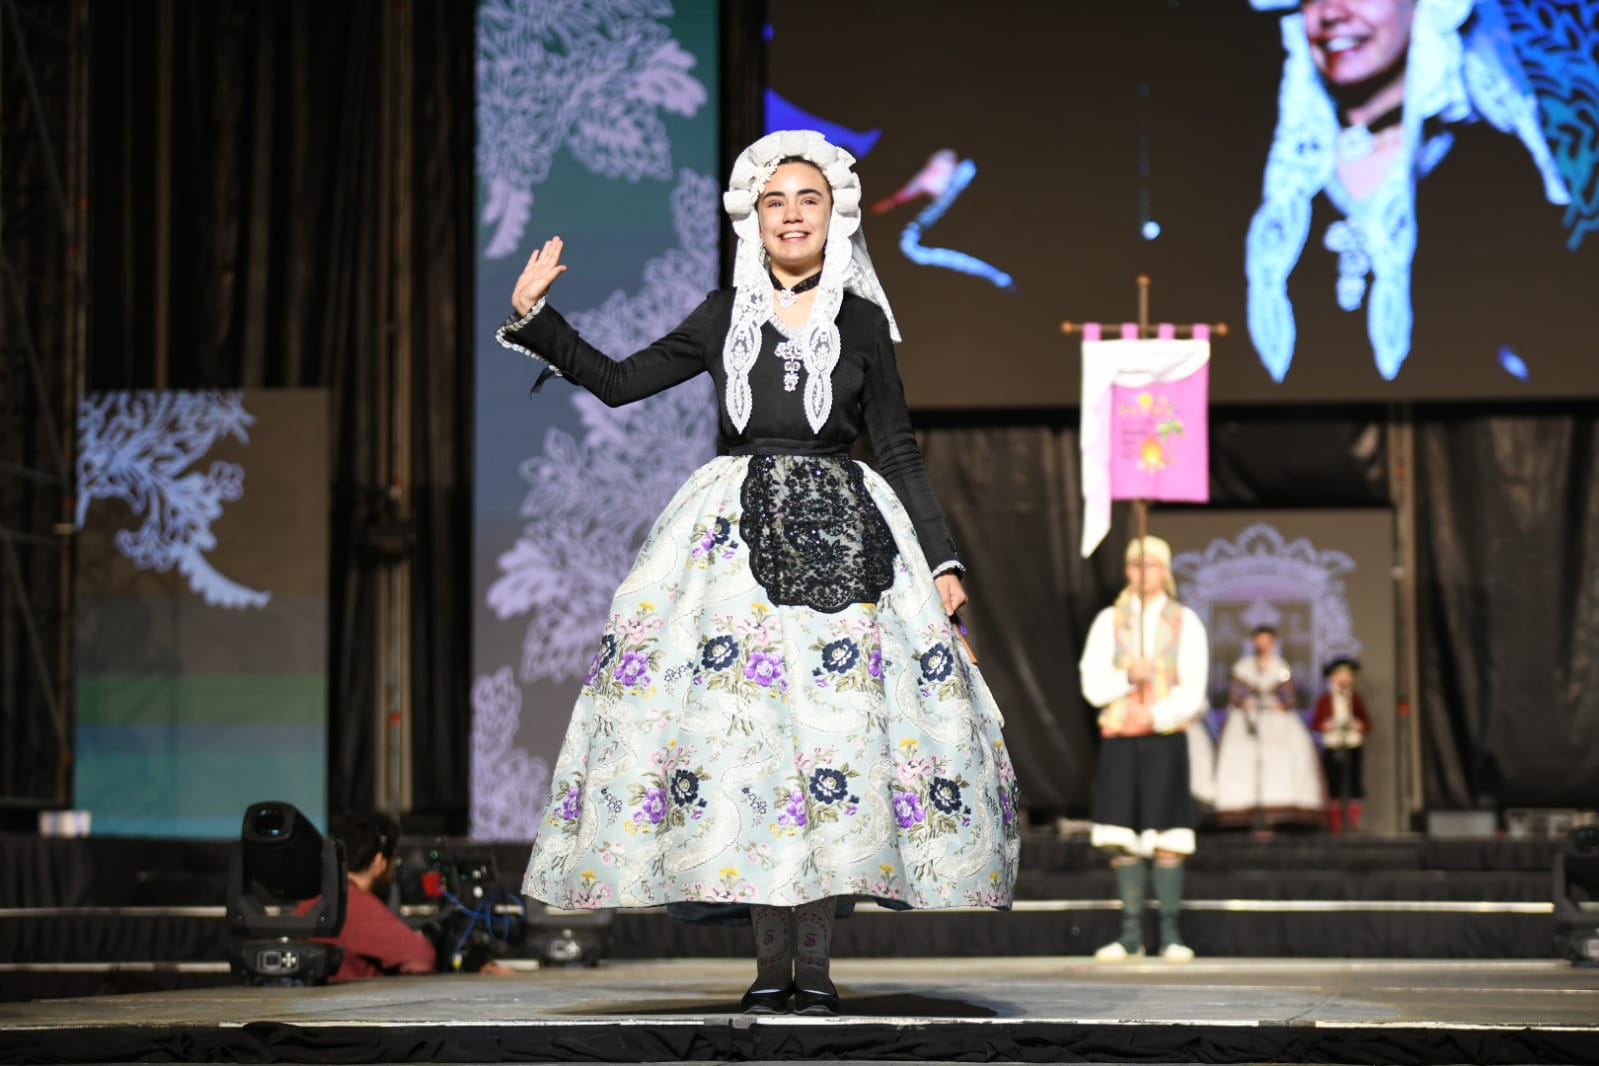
280	862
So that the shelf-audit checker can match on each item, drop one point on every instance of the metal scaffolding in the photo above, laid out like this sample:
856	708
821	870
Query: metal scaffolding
43	226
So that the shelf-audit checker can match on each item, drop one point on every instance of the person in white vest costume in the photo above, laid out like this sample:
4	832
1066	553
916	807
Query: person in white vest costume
1146	666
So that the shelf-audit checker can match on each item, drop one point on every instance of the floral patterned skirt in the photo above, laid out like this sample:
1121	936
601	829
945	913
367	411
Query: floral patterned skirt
726	749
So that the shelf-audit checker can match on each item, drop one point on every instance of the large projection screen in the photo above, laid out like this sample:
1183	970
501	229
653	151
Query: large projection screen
200	628
597	123
1025	162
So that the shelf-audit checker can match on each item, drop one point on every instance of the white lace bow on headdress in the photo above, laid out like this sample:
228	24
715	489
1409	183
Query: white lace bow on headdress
1445	76
845	266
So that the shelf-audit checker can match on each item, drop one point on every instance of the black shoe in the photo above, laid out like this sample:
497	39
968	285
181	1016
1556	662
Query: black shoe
766	1000
808	1001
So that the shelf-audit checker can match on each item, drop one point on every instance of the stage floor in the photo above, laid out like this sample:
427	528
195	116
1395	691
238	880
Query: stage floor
998	1010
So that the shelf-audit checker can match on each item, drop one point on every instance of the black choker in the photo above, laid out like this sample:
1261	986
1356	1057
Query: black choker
1360	139
1378	123
787	296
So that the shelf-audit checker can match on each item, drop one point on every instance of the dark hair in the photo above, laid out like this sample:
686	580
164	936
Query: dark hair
1258	630
1341	661
366	835
787	159
813	164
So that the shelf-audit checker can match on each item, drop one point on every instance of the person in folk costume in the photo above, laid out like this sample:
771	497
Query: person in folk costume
781	716
1148	691
1267	772
1341	719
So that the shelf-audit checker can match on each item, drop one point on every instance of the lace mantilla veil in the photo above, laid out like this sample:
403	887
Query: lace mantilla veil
846	266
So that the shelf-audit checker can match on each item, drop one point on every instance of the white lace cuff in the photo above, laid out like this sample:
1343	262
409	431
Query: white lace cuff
950	566
507	342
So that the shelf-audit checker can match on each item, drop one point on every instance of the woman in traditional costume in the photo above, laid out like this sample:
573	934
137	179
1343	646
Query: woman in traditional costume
781	714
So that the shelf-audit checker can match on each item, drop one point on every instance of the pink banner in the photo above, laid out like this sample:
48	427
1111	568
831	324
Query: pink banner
1160	440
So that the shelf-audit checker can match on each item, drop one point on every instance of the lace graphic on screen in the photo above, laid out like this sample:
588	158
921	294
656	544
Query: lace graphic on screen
1557	42
145	449
592	76
591	499
509	787
1262	578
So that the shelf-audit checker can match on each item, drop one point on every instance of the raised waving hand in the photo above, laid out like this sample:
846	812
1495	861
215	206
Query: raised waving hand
543	267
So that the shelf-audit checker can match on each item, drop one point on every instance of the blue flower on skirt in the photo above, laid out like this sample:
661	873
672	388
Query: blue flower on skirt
828	785
685	788
602	658
945	795
938	662
720	653
841	655
721	529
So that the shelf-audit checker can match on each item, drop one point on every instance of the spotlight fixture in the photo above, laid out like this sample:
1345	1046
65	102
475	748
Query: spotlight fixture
280	862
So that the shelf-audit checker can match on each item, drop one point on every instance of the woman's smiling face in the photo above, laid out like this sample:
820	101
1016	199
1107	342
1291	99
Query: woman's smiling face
1354	41
794	211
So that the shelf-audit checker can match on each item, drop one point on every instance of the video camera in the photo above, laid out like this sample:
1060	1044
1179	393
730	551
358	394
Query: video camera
469	916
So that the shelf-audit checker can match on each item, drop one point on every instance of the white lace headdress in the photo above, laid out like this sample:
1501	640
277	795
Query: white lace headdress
845	266
1446	76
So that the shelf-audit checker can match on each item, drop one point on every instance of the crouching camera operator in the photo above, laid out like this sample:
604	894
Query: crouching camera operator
376	941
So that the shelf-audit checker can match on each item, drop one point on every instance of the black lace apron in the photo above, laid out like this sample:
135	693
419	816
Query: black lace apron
815	537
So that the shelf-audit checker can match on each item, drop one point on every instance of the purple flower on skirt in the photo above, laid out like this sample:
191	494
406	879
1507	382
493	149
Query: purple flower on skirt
874	664
794	810
571	804
1004	806
765	669
631	670
908	809
654	808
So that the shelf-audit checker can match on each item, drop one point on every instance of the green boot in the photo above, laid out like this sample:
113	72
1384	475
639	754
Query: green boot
1131	882
1169	891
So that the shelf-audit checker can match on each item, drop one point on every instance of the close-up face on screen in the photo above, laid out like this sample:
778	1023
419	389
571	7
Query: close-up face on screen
1382	200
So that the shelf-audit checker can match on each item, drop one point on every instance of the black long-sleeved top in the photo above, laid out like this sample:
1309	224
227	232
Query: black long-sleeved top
867	394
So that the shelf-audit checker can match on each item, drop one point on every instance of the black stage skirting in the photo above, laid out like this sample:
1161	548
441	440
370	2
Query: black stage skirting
1302	896
120	872
768	1041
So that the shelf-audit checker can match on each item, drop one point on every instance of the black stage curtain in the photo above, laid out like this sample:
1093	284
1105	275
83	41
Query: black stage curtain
244	235
1009	484
36	316
1508	630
